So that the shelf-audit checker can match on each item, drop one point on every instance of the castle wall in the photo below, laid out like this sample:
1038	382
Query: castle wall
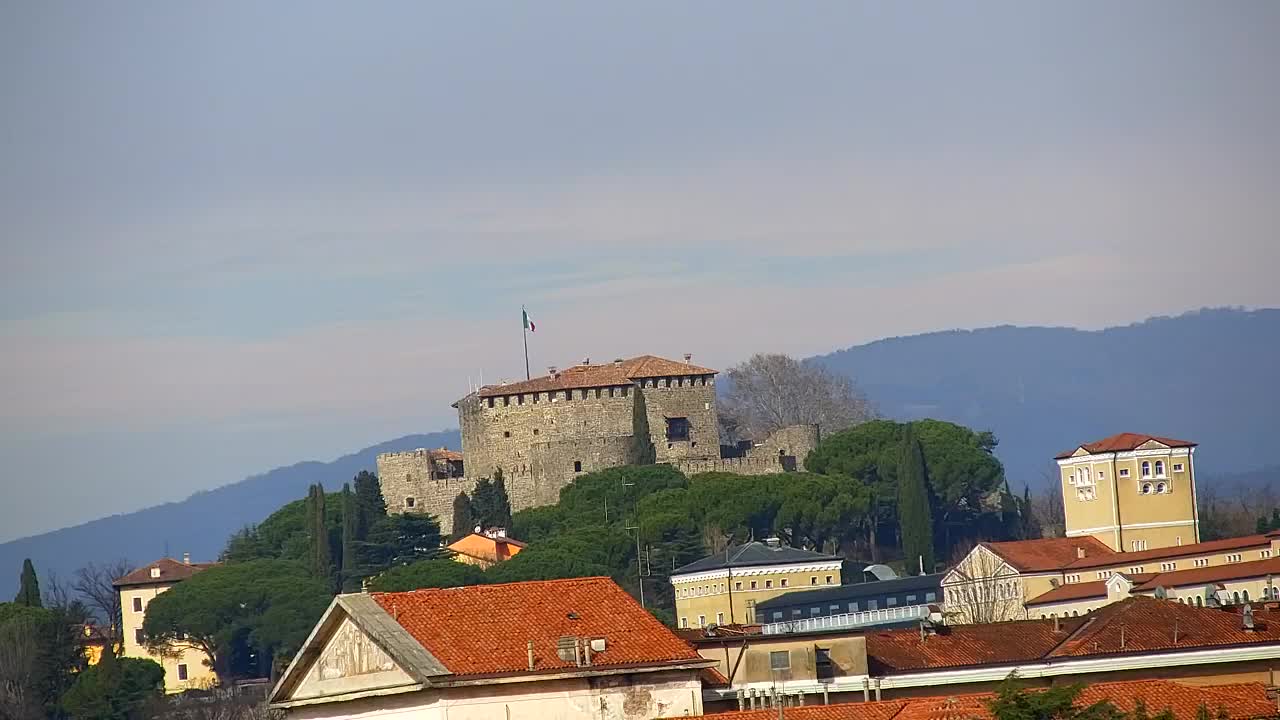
690	397
556	464
794	440
405	475
767	465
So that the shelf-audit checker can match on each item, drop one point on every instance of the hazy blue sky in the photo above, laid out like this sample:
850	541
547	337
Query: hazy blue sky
237	235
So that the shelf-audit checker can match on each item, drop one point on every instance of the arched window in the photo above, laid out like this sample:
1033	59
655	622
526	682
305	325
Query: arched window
1235	598
1146	468
1162	488
1146	488
1075	614
1159	468
1199	601
1245	594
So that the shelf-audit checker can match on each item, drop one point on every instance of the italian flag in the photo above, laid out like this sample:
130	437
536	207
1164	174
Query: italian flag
528	321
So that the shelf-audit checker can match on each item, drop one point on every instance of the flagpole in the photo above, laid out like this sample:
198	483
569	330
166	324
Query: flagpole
524	329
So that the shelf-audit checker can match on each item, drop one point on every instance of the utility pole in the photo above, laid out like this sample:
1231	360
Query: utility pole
639	563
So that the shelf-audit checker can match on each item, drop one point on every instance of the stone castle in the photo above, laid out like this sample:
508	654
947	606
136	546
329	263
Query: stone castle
544	432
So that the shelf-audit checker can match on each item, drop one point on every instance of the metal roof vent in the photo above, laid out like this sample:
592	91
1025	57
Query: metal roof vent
567	649
773	542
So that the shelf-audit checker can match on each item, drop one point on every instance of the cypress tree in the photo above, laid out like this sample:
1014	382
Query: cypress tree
464	519
501	502
350	518
915	520
490	505
29	591
370	503
318	533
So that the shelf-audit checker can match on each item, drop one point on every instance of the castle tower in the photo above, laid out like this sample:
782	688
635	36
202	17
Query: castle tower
1133	492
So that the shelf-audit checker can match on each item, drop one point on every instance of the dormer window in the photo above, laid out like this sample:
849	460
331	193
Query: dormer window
155	572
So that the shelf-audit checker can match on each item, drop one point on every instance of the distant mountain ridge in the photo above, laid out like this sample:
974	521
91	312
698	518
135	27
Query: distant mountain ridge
1207	376
200	524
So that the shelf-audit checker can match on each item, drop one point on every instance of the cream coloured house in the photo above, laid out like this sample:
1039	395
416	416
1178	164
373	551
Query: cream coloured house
571	649
724	588
185	666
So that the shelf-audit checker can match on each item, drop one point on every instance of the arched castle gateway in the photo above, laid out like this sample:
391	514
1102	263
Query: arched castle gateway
546	431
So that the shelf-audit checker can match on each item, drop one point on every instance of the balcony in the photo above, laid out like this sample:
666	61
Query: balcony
847	621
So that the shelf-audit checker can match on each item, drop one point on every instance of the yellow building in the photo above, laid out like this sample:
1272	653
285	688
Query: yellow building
185	666
1133	492
485	549
723	589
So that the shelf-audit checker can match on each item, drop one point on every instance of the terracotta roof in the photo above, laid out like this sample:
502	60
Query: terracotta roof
170	571
444	454
1124	442
484	629
1083	591
902	650
1141	556
1217	573
1049	553
1148	626
490	549
603	375
1244	701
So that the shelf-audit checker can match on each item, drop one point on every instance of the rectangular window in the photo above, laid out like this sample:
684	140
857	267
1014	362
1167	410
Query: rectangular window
624	389
137	604
1124	472
506	400
490	402
1202	562
777	615
577	466
137	636
911	599
753	584
568	395
796	612
890	602
719	618
872	605
737	585
677	429
1166	567
702	621
829	579
835	609
1177	467
822	662
597	393
783	582
520	399
182	671
853	606
768	584
930	597
815	612
780	660
684	622
813	580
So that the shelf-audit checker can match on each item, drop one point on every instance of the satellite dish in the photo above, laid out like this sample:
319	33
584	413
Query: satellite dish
1161	593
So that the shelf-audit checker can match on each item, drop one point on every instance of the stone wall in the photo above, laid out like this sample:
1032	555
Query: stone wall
767	465
693	398
404	475
556	464
792	441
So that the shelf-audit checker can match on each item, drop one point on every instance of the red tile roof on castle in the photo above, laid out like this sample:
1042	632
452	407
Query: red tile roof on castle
1217	573
1049	553
602	375
170	571
1124	442
1241	701
444	454
1082	591
485	629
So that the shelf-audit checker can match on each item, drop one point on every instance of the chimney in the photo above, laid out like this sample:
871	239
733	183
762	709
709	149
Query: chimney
186	558
1080	552
551	370
1122	637
1057	624
530	649
617	362
688	357
586	652
586	361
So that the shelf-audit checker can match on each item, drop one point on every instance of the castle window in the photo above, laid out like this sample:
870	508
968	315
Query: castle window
1177	467
409	502
1146	469
610	392
520	399
535	431
490	402
506	433
568	395
666	382
1159	468
597	393
1124	472
535	398
677	428
624	389
506	400
577	466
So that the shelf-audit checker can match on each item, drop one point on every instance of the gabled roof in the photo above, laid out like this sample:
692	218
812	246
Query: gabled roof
622	372
485	629
753	554
171	571
1174	551
1243	701
1123	442
1005	643
1144	624
1046	554
489	549
1217	573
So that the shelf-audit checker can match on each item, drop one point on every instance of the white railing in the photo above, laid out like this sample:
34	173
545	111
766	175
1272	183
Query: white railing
843	621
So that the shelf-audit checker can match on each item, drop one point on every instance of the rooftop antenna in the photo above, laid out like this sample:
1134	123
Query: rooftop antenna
639	562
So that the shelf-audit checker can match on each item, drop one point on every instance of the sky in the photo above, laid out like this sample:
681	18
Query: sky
238	235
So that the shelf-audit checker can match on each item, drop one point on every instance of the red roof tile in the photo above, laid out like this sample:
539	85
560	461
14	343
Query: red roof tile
489	549
484	629
444	454
1049	553
1217	573
1124	442
1143	624
605	375
1246	701
170	571
902	650
1141	556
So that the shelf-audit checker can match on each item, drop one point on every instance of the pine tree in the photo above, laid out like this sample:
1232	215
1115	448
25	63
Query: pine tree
464	519
915	520
29	591
350	518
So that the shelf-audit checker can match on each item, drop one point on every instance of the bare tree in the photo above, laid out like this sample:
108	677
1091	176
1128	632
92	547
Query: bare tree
94	584
1046	503
768	392
981	588
56	592
19	650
